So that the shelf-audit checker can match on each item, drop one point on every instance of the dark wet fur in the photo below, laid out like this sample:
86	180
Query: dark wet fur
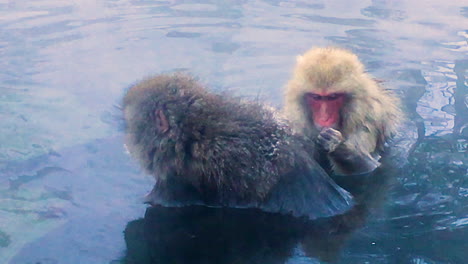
222	151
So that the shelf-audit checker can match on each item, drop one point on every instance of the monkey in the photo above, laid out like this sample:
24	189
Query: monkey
331	100
223	151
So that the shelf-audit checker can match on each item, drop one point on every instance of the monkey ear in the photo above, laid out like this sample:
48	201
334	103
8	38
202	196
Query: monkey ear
161	121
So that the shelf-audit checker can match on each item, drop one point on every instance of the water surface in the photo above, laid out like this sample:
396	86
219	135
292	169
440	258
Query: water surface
68	190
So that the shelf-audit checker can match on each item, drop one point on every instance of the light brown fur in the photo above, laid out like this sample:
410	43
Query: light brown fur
370	115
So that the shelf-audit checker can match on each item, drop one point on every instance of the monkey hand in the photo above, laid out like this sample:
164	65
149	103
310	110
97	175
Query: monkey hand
329	139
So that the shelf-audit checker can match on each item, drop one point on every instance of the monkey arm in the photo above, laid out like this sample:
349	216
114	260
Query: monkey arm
348	161
346	157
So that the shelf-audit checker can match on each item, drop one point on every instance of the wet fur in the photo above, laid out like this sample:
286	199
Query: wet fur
222	151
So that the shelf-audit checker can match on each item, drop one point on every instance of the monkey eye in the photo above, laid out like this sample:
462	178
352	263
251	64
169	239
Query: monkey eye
314	96
333	96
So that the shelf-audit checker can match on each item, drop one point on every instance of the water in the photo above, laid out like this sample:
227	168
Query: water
68	190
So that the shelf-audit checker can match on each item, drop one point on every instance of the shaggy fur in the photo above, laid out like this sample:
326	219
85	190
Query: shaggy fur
370	115
222	151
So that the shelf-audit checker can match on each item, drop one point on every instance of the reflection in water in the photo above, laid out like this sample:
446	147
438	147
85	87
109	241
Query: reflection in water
198	234
460	128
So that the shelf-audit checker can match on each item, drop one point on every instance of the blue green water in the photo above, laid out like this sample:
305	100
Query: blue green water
68	191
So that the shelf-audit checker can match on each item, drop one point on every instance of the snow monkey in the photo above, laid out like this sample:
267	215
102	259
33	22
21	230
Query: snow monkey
218	150
334	102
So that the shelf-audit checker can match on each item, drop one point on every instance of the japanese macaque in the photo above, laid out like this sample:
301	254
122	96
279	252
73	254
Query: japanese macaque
334	102
217	150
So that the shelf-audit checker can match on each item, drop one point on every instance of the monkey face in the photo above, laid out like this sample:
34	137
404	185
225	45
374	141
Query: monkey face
325	109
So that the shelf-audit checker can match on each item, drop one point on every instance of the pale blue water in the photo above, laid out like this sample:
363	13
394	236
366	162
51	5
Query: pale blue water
68	190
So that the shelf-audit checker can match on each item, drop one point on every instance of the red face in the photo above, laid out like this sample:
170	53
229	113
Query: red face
325	108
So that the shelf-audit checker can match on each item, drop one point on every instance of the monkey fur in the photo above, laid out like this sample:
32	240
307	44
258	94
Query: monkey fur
218	150
370	115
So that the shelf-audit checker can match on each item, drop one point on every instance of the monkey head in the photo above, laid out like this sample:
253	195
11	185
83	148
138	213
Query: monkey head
330	89
156	120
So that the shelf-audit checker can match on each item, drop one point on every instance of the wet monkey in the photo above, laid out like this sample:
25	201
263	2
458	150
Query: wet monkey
334	102
217	150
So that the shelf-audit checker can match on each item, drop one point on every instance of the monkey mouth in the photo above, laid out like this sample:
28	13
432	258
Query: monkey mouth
330	122
322	120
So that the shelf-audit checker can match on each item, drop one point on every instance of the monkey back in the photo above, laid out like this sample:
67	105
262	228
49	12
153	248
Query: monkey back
219	150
